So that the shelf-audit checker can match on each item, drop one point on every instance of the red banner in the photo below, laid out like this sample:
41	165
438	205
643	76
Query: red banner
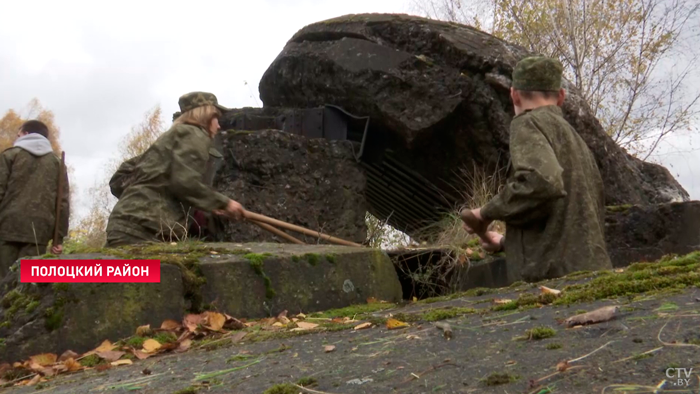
90	271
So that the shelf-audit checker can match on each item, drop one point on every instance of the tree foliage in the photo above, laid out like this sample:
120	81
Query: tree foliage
91	228
631	60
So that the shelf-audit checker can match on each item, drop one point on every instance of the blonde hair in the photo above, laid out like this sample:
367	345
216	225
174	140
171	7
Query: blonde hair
200	116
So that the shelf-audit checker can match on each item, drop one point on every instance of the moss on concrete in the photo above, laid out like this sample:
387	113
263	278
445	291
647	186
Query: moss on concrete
354	310
618	208
257	263
540	332
499	378
312	258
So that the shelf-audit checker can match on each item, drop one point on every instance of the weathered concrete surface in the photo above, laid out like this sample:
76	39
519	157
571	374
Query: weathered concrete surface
314	183
645	233
437	92
79	316
419	359
301	279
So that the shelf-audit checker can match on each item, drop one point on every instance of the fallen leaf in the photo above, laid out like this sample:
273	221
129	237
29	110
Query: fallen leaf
72	365
184	345
501	301
191	322
371	300
563	366
68	354
278	324
170	325
618	270
34	380
144	331
470	251
151	345
597	316
215	320
412	337
547	290
110	355
306	326
44	359
301	316
233	324
41	369
103	367
105	346
122	362
328	348
415	299
238	337
141	355
363	326
213	252
393	324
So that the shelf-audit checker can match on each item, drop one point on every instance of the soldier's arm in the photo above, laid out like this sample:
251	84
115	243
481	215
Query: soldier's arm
65	209
6	160
536	181
119	180
189	159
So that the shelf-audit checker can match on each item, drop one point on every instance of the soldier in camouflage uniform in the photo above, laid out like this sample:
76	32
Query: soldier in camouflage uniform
160	190
29	174
552	203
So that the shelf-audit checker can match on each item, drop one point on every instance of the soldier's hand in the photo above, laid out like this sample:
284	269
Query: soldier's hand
234	210
492	243
58	249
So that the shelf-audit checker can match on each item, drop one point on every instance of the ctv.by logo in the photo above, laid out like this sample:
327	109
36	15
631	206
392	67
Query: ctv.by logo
681	376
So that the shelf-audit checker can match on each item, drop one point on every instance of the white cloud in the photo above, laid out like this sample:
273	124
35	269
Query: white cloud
99	66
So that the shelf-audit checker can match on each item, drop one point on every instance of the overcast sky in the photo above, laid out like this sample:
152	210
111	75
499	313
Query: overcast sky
99	66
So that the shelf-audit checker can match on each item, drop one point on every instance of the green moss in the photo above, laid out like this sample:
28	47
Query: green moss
541	332
165	337
187	390
31	307
435	314
59	287
53	318
136	342
618	208
307	382
257	263
296	258
499	378
553	346
239	357
525	301
517	284
312	258
284	388
48	256
479	291
10	298
5	324
353	310
91	361
331	258
2	342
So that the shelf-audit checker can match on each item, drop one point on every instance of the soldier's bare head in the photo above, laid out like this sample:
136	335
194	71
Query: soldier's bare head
33	127
537	83
206	116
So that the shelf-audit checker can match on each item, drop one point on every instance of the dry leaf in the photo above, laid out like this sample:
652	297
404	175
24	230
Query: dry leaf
71	365
547	290
191	322
306	326
597	316
151	345
301	316
103	367
501	301
233	324
170	325
394	324
68	354
412	337
618	270
363	326
278	324
141	355
144	331
122	362
34	380
238	337
44	359
215	320
563	366
282	318
470	251
415	299
41	369
110	355
105	346
328	348
184	345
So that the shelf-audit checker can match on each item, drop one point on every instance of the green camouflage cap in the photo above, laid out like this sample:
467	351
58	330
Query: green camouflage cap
193	100
538	73
176	115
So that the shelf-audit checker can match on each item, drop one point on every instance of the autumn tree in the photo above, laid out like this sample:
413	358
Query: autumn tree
630	59
91	228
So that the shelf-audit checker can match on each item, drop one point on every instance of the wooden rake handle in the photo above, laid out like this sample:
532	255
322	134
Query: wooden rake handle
262	219
278	233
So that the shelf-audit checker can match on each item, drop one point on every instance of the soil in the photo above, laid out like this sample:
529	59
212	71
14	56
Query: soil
489	352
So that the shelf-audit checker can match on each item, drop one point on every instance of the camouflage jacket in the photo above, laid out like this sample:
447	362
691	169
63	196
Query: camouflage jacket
552	202
159	190
28	193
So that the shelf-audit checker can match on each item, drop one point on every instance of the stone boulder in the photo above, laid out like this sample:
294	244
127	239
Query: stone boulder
437	95
646	233
313	183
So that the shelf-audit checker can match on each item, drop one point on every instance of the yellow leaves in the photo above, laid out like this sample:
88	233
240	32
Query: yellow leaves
329	348
547	290
67	355
363	326
144	331
44	359
214	321
393	324
121	362
110	355
502	301
105	346
71	365
170	325
303	326
151	345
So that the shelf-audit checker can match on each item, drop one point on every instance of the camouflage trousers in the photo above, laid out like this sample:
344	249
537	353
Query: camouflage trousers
118	238
10	252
